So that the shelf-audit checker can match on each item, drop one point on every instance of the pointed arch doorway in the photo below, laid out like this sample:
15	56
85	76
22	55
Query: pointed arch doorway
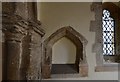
76	38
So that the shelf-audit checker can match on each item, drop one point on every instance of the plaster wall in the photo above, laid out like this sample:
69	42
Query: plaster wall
67	52
77	15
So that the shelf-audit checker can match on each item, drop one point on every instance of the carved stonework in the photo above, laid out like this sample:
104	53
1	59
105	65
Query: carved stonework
34	69
22	42
76	38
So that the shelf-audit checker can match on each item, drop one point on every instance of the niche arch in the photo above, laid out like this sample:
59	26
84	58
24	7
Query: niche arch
76	38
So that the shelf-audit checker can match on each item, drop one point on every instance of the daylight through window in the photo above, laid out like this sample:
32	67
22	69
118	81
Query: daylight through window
108	33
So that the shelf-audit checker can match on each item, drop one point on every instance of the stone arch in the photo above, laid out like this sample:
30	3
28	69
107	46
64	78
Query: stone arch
76	38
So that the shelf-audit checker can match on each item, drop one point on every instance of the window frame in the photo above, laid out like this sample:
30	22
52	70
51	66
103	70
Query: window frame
96	26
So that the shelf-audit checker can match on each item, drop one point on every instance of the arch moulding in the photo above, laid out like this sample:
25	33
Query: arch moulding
77	39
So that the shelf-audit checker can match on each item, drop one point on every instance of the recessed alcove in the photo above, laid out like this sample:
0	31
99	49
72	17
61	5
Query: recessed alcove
63	57
80	63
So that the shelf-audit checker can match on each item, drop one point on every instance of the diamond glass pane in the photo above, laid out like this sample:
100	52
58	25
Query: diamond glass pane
108	33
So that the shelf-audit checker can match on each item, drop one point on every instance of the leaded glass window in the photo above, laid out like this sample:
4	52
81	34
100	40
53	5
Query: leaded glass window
108	33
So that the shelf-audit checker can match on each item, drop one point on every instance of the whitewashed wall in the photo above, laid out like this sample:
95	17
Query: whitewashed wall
77	15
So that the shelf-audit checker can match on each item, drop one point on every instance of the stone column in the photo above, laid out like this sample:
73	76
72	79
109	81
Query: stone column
15	33
34	69
22	44
14	51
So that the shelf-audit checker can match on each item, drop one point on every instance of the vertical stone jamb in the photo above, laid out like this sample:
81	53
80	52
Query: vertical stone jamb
34	69
96	26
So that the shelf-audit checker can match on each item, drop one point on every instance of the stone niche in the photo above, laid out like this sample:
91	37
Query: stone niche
80	42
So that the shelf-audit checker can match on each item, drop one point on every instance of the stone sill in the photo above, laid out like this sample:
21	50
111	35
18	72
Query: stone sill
108	67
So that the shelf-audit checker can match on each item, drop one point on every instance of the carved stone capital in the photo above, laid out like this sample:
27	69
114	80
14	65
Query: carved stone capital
15	27
36	26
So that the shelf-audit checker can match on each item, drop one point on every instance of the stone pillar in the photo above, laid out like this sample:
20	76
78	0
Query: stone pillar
15	32
22	44
34	69
14	50
27	10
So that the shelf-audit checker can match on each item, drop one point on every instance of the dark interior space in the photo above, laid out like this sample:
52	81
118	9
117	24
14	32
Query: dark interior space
64	69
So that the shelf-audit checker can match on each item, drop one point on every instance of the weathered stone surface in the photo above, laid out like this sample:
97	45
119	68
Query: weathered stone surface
14	63
71	34
22	43
8	7
46	71
27	10
96	26
83	70
34	69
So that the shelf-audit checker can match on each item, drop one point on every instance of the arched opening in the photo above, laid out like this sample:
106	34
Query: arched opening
74	37
111	27
109	54
63	57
